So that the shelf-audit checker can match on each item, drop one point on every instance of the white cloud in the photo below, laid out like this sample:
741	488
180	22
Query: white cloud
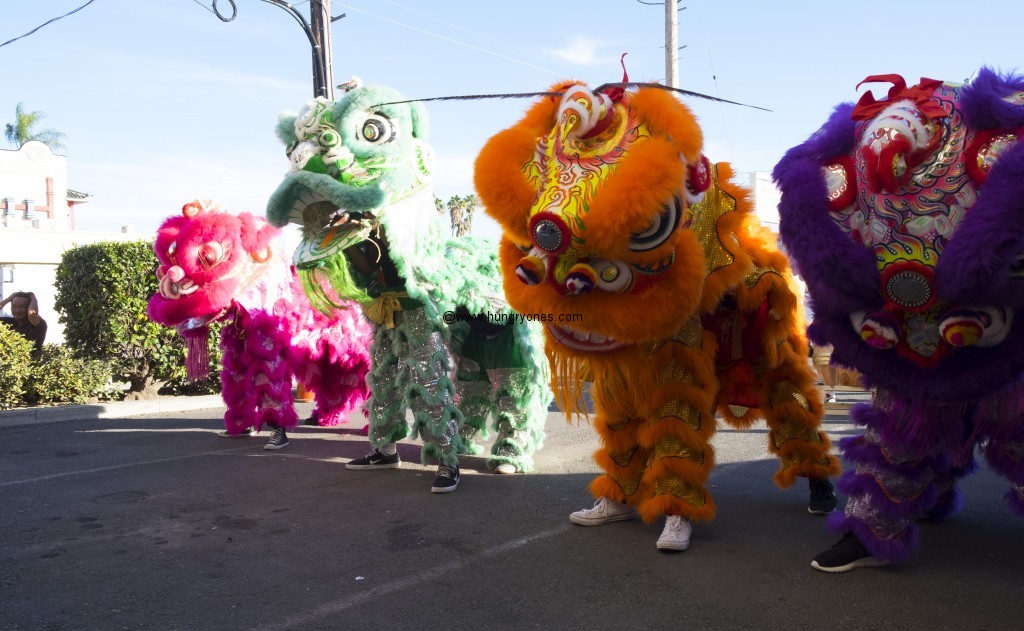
581	51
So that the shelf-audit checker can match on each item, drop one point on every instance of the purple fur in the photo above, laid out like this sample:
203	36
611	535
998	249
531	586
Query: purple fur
1004	463
894	550
929	417
947	505
983	104
805	223
1014	502
912	508
973	267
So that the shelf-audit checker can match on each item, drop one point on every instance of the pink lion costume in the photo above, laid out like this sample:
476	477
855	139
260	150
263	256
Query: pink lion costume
216	265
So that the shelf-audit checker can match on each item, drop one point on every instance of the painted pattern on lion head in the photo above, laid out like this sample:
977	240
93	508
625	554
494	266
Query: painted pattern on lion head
905	216
657	284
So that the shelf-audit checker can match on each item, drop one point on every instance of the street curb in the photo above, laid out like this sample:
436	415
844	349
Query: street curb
119	409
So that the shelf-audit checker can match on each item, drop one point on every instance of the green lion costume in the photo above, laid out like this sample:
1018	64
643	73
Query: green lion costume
446	345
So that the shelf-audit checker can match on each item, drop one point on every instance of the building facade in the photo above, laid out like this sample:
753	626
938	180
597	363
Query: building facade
37	224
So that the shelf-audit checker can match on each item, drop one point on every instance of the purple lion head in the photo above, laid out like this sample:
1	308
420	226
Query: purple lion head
905	216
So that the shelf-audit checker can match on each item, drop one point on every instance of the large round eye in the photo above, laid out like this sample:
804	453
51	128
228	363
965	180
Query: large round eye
211	254
663	226
377	129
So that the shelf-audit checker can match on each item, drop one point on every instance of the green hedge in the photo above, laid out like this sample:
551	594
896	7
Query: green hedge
15	366
60	377
102	293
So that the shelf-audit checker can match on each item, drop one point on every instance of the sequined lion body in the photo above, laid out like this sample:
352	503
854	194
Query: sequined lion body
659	287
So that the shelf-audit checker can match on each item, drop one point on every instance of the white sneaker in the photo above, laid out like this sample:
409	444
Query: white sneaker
604	511
506	468
676	535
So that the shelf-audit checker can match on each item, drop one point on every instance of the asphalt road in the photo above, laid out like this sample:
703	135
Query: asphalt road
156	523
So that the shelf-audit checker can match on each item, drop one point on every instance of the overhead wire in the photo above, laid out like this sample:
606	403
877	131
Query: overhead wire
463	29
714	79
50	21
450	39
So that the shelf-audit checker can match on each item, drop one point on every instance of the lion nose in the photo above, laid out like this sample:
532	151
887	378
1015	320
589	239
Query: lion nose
173	284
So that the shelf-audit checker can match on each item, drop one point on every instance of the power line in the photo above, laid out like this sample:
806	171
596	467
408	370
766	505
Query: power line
205	7
465	30
449	39
50	21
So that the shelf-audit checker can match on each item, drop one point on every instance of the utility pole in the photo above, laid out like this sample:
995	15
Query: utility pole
318	32
320	25
671	43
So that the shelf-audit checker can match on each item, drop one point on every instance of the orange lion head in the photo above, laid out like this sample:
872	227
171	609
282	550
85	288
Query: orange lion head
595	192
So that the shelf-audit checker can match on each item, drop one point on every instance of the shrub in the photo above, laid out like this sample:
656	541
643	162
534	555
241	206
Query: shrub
182	385
15	366
60	377
102	293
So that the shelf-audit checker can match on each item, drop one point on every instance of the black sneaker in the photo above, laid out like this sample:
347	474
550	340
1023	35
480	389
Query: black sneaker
278	440
446	479
313	420
848	554
823	496
375	460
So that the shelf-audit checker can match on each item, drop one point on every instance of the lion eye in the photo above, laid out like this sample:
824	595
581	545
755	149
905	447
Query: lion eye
663	227
211	254
377	129
1017	267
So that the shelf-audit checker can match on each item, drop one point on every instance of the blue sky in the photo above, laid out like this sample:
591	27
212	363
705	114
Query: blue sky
162	102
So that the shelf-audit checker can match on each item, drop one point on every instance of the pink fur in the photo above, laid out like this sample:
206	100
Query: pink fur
273	332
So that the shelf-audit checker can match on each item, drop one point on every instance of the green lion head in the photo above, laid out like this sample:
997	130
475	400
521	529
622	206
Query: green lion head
353	156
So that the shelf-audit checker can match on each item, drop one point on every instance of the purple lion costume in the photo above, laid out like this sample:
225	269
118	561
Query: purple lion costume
905	216
216	265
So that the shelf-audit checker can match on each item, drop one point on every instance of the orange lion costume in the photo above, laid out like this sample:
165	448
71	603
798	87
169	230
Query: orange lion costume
657	285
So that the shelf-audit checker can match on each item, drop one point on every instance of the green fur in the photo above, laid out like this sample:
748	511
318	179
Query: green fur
336	273
389	181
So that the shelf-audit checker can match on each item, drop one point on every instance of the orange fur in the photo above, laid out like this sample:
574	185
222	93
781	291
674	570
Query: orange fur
656	398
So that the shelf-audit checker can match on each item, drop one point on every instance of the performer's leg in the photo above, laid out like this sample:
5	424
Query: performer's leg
1005	453
436	417
475	402
239	399
386	404
898	477
623	462
519	406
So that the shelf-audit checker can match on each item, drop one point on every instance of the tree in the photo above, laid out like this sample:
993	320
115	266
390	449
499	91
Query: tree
102	293
23	130
461	210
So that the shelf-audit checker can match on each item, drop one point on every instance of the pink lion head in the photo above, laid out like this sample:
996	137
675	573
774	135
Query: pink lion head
207	258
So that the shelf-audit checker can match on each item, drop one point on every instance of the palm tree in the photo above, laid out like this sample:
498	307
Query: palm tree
469	205
24	130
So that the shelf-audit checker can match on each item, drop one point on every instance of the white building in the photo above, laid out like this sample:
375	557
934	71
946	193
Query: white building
37	224
766	197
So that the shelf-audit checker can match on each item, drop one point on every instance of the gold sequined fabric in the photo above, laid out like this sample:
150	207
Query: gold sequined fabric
790	429
673	447
785	391
705	217
685	412
673	485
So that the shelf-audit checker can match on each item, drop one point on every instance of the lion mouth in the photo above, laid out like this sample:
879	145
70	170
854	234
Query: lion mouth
198	322
584	341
